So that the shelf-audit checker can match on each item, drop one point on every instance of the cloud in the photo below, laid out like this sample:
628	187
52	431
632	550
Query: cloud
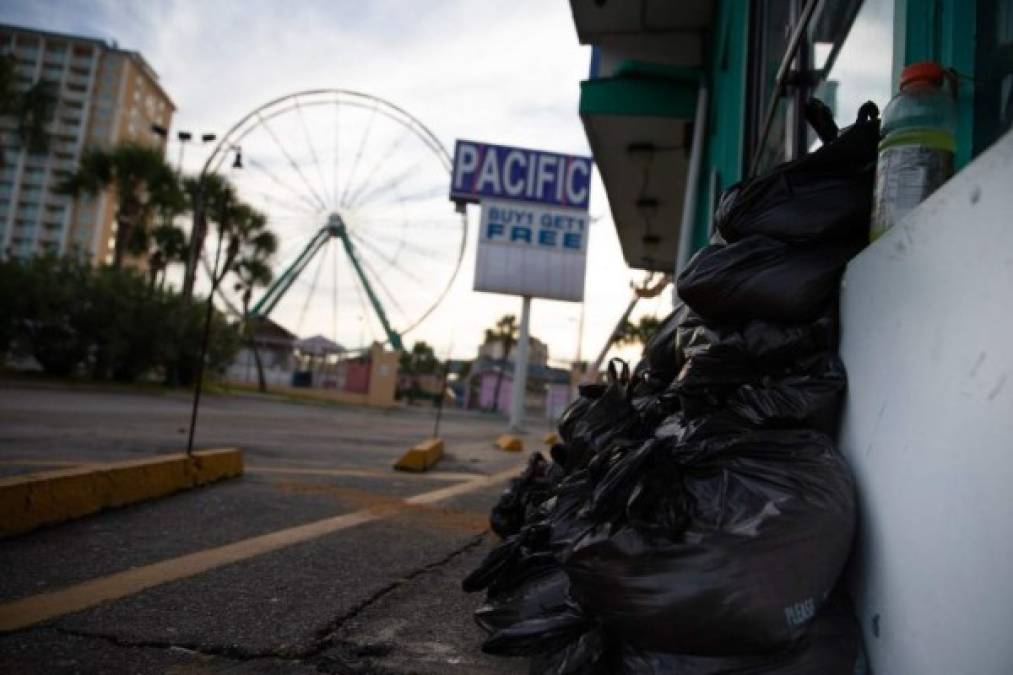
501	72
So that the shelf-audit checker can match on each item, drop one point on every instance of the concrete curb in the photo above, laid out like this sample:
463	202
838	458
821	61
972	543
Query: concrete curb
422	456
32	500
510	443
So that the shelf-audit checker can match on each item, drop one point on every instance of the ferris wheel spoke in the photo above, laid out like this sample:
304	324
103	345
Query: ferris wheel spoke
363	200
313	207
358	156
365	312
291	162
421	195
313	288
428	253
389	224
377	282
390	260
334	291
337	129
386	154
309	144
295	209
297	242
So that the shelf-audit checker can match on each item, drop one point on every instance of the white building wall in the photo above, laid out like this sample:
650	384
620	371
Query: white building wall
928	428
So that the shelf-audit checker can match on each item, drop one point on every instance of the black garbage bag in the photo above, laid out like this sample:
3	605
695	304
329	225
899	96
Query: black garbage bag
829	646
523	495
810	398
601	414
513	558
589	654
822	196
547	632
765	346
761	278
770	518
545	591
804	394
661	356
586	395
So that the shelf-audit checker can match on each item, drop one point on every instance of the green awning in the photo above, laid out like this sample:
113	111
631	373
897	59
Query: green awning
642	90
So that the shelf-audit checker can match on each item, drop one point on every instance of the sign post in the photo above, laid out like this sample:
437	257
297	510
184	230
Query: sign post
533	232
520	383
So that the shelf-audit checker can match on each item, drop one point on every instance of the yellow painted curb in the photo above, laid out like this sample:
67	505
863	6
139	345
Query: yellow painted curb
510	443
32	500
422	456
551	438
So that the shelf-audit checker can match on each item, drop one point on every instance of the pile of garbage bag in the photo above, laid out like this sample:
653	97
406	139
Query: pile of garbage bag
696	515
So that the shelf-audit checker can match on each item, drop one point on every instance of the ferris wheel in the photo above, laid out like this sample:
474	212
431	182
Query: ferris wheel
355	188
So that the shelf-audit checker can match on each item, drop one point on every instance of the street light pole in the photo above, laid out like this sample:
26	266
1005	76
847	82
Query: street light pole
196	242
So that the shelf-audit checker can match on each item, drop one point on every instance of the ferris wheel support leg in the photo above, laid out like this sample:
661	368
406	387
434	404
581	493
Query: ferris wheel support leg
392	336
281	285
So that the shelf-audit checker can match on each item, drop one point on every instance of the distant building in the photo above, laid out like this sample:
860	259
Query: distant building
487	388
105	96
538	351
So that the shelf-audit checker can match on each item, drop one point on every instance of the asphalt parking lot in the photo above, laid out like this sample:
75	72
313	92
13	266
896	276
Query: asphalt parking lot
320	558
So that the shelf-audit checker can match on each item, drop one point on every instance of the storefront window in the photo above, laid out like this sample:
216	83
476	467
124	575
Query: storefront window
771	26
994	87
853	55
844	57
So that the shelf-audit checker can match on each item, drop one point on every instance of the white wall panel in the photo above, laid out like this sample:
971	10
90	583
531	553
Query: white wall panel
928	428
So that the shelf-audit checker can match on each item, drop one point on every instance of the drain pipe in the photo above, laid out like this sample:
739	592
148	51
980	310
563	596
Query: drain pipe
692	183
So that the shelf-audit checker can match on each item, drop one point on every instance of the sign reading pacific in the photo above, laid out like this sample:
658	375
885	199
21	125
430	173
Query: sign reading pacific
482	170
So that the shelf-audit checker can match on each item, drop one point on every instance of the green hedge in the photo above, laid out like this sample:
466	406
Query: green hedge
104	323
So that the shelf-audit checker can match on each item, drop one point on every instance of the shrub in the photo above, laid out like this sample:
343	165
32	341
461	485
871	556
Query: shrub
108	323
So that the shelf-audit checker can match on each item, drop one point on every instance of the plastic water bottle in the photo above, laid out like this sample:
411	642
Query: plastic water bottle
917	146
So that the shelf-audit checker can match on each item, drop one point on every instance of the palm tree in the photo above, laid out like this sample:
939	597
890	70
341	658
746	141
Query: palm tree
142	181
169	246
506	332
168	241
252	269
636	333
32	108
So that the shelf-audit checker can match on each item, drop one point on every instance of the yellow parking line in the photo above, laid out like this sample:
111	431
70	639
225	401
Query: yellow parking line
45	606
453	476
45	462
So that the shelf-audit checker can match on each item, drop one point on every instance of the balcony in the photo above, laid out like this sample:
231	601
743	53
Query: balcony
638	107
26	54
78	80
658	31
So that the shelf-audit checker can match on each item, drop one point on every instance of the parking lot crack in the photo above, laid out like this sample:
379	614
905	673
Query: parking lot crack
231	652
327	636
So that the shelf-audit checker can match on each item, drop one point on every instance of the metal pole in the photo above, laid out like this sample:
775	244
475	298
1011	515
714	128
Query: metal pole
197	232
198	385
692	184
439	401
580	344
591	374
179	163
520	381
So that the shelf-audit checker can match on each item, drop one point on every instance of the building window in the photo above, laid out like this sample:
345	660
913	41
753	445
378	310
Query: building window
770	25
840	51
852	61
994	77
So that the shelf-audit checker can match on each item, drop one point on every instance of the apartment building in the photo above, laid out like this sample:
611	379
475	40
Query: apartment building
105	95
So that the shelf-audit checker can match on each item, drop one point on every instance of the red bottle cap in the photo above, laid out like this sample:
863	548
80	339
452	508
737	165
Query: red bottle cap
923	71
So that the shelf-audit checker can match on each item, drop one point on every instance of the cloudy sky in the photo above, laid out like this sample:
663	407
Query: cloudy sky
502	72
